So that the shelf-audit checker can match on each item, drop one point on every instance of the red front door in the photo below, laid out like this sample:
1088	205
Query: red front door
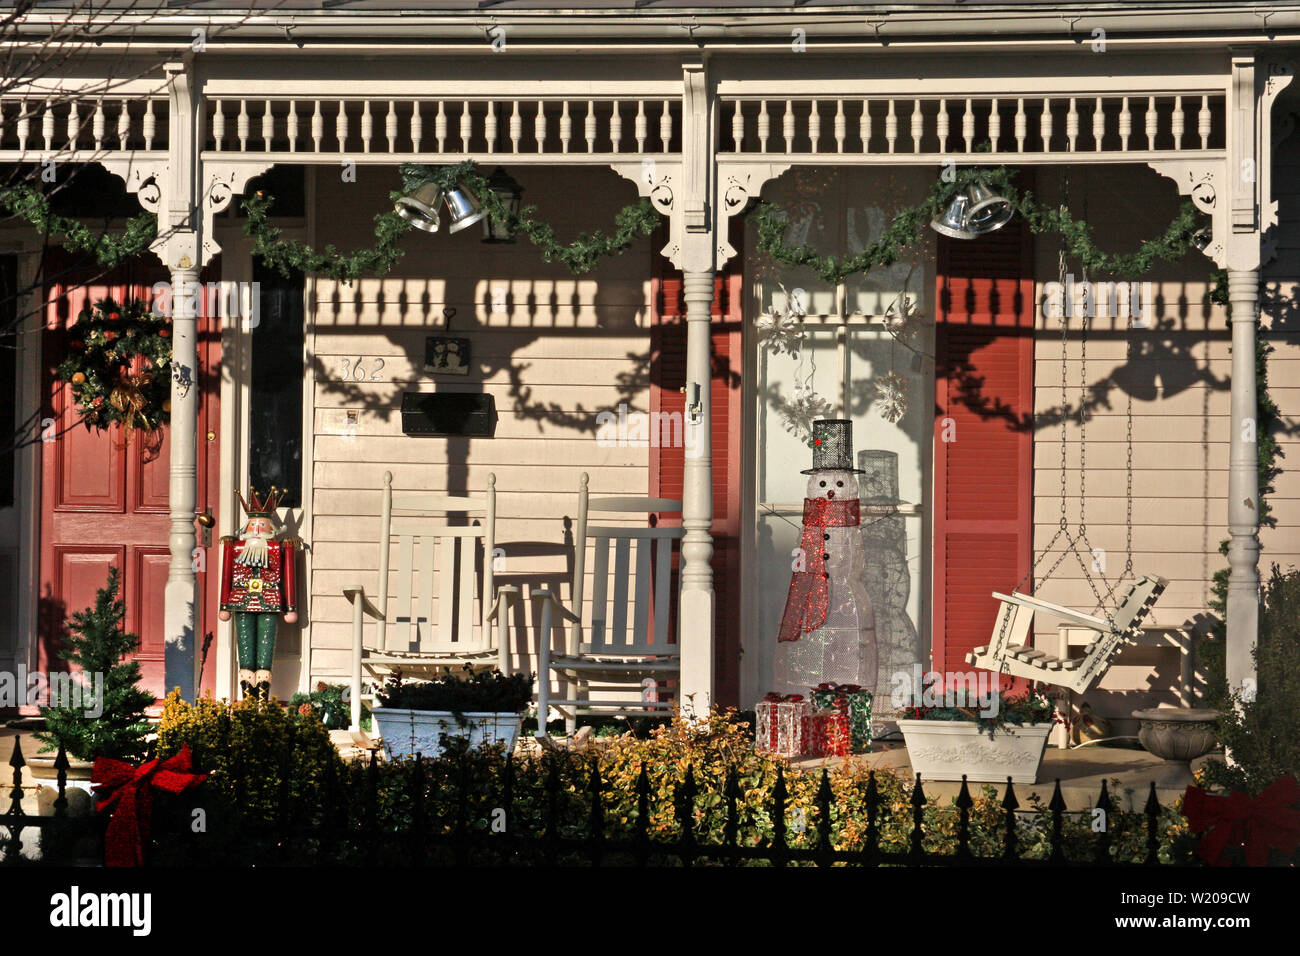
103	501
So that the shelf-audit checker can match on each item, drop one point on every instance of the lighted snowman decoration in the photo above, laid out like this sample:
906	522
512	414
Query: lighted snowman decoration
827	632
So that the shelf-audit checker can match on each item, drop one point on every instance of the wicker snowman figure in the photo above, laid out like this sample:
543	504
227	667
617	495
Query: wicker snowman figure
258	585
828	629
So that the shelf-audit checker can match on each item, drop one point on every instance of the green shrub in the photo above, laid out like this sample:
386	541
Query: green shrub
327	701
1263	735
264	763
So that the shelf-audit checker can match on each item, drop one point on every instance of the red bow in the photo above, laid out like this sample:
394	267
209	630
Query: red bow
127	792
776	698
1257	825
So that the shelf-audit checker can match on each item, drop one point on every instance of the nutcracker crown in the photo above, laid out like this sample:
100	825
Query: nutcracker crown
264	507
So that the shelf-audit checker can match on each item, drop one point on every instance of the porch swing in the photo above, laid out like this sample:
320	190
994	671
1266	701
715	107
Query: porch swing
1008	651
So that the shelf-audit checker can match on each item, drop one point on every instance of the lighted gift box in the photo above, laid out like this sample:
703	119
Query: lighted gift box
855	702
779	724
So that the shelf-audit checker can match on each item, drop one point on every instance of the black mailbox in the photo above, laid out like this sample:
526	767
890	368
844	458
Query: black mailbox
464	414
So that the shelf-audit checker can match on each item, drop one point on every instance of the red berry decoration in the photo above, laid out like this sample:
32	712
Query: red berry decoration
164	333
114	316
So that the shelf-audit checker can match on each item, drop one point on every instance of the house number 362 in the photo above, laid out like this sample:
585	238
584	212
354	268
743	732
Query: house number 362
354	371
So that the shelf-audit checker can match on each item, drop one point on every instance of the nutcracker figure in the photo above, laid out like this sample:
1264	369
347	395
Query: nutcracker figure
258	585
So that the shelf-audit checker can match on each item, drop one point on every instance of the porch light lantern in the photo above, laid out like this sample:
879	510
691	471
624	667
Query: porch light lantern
419	207
510	193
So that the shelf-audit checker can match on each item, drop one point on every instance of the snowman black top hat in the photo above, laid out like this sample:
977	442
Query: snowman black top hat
832	446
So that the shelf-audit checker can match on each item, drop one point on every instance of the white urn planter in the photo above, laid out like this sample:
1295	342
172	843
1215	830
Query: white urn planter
408	732
946	749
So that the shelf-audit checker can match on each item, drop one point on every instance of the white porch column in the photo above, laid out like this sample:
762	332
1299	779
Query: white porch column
1243	485
696	605
181	608
179	245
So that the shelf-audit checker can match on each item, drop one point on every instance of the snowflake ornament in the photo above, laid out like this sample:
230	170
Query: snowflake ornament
891	396
781	332
799	414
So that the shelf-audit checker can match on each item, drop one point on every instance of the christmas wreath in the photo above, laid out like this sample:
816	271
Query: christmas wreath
119	367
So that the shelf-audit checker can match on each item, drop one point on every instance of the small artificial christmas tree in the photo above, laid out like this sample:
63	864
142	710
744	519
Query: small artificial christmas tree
97	644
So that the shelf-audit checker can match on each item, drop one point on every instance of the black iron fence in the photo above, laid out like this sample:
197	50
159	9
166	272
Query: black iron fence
487	810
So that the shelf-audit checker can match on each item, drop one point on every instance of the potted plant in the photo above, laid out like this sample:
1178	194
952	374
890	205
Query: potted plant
104	716
988	741
486	707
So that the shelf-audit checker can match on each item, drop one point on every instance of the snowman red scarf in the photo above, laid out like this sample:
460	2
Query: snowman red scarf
806	603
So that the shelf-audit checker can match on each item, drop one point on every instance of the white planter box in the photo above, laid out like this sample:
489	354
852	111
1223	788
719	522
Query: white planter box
408	732
946	749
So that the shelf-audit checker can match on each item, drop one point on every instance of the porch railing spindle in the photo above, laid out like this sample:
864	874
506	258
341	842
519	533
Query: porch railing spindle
1020	124
639	127
995	125
891	127
466	126
1178	122
490	130
440	126
341	126
390	126
539	127
1072	125
97	124
787	126
291	125
589	126
317	127
1098	125
814	125
566	127
123	123
839	126
1203	122
968	126
1125	126
737	128
47	125
74	124
417	126
268	125
666	127
942	126
764	126
1152	122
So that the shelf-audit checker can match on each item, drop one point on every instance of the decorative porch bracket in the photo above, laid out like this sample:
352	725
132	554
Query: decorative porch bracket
1237	194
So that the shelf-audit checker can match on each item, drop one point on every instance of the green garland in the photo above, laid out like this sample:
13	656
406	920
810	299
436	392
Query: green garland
580	256
909	225
108	250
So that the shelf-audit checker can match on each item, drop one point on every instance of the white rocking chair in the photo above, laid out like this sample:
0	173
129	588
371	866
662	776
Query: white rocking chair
1008	652
624	639
427	591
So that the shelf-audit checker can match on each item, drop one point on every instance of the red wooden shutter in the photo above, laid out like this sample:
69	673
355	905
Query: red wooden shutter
983	511
667	377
